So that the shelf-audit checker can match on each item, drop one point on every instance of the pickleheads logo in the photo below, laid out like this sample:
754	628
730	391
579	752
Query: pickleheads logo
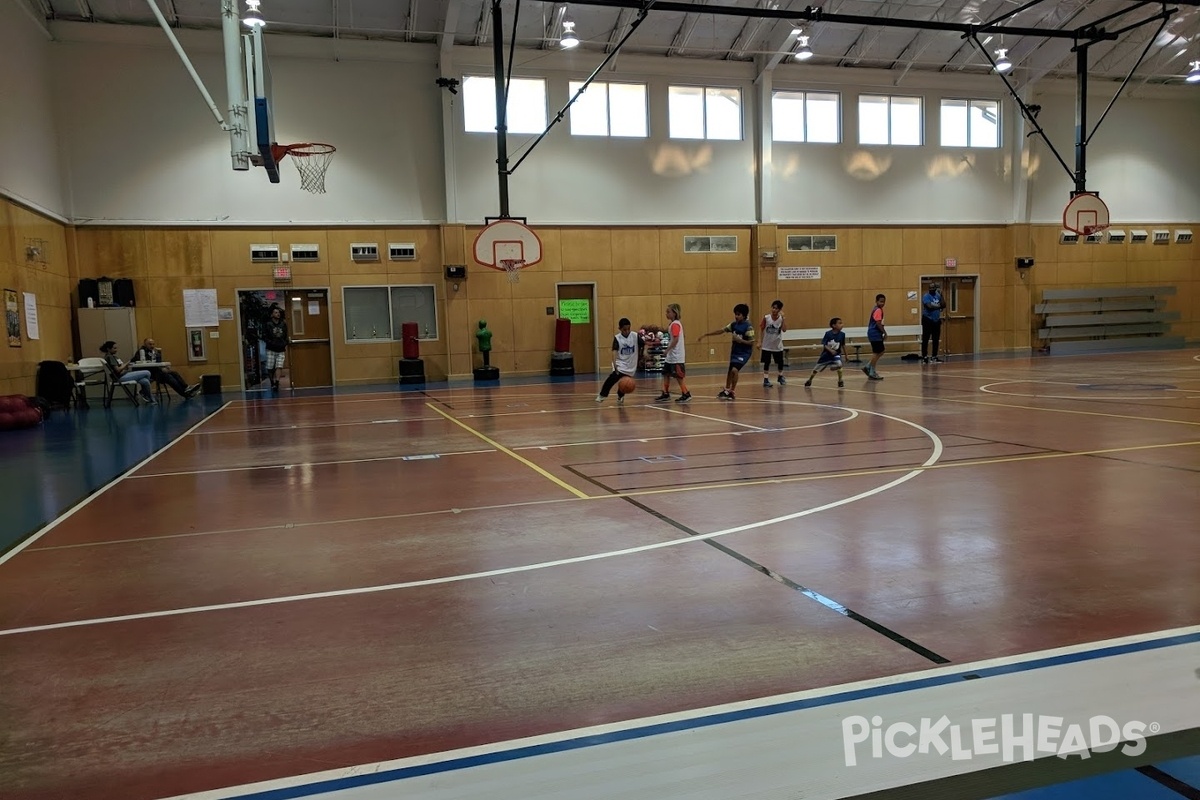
1031	736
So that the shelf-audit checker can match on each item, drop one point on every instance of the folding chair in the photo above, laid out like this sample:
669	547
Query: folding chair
91	372
112	381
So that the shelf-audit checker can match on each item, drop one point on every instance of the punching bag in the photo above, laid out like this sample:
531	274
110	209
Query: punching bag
562	335
412	368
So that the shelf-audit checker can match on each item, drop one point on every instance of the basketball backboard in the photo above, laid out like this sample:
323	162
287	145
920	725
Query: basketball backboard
260	112
1086	214
509	246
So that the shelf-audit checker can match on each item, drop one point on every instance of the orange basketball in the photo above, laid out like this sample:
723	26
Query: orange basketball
626	385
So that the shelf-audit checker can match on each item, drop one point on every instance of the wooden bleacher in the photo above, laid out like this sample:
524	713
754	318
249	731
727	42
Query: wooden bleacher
1107	318
810	338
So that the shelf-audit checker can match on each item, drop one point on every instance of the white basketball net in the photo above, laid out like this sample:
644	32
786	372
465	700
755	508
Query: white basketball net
312	160
513	267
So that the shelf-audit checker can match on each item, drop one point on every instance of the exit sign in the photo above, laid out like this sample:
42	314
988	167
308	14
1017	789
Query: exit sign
282	273
951	263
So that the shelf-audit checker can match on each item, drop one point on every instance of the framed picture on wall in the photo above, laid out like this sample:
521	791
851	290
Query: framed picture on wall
196	345
12	318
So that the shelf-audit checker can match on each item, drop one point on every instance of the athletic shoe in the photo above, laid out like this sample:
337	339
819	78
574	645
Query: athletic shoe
686	397
808	382
724	394
781	381
620	399
665	397
841	385
936	360
875	376
766	383
600	398
867	371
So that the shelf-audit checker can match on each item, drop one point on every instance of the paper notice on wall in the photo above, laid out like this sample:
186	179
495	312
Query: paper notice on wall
224	314
31	323
200	308
799	273
314	308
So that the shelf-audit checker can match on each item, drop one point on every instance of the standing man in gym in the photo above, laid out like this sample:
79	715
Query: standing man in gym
931	322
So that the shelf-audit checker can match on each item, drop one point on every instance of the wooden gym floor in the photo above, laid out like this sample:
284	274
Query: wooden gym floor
307	584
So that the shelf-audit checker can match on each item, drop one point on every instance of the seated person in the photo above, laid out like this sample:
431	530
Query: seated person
149	352
122	374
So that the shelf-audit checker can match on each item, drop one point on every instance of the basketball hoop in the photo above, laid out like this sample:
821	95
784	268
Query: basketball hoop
311	159
513	267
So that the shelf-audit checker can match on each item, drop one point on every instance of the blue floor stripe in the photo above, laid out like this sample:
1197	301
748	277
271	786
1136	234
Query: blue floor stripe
1124	785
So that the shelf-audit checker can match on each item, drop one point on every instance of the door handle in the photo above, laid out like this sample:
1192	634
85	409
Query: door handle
310	341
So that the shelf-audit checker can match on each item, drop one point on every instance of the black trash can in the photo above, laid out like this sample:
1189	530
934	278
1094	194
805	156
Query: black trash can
210	384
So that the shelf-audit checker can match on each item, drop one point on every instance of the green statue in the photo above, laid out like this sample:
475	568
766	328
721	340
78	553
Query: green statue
485	342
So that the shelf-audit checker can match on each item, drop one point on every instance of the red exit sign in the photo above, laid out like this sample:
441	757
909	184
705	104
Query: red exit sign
282	273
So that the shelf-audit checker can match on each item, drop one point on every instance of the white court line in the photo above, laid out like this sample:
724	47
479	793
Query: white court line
1097	396
646	439
757	428
305	464
55	522
919	470
307	426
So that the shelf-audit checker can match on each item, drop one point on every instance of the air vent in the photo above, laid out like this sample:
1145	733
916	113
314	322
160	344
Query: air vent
306	252
1138	237
1094	238
1115	236
402	251
264	253
1068	237
1162	237
1183	237
364	251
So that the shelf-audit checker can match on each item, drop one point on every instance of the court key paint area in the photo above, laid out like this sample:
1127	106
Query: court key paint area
408	584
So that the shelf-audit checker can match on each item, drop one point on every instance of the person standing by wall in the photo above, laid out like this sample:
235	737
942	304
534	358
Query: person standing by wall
932	305
275	337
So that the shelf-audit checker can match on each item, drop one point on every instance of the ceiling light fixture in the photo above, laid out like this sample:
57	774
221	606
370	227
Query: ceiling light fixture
1002	62
805	52
1194	75
569	39
253	18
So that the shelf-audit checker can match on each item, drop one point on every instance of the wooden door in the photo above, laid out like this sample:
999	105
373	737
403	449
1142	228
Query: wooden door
958	327
309	357
583	324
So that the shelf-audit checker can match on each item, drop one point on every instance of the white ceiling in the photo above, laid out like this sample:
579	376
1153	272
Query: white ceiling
714	35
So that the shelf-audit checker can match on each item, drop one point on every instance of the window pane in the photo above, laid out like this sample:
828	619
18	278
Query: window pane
906	120
627	109
526	105
954	123
685	106
823	117
479	104
414	304
985	123
872	119
723	113
589	114
366	312
787	116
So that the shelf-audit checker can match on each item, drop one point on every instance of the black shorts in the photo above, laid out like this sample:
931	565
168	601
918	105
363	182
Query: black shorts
738	360
877	345
772	355
673	371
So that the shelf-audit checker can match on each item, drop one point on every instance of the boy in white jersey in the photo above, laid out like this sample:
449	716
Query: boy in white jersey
627	346
772	327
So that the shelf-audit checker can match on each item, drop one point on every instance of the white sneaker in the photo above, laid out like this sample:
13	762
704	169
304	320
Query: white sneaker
620	399
600	398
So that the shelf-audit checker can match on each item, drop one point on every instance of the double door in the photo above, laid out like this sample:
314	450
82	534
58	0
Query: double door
310	355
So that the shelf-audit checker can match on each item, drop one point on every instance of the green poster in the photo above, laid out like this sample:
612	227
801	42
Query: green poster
578	311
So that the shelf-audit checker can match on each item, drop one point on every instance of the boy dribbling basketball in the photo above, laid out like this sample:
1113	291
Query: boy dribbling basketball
833	344
626	346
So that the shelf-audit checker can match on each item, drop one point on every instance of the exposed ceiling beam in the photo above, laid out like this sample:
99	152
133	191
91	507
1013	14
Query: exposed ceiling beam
624	17
85	10
410	20
552	30
38	19
684	34
484	26
449	26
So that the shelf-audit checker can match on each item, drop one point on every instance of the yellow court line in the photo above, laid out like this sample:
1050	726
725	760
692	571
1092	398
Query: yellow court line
505	450
616	496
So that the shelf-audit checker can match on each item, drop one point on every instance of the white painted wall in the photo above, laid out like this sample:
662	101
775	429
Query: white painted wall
140	146
1143	159
29	159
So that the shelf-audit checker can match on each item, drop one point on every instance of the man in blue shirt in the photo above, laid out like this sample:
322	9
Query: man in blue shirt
931	323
